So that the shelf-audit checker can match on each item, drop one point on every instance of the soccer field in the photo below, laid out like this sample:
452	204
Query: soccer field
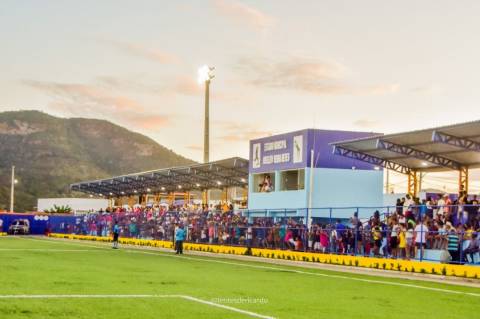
44	278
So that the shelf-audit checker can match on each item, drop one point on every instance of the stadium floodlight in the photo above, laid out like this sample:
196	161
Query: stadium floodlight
219	183
179	186
148	190
205	75
135	191
243	180
110	193
424	164
198	185
163	188
377	168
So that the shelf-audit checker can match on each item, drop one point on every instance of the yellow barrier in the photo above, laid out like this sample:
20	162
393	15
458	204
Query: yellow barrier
3	234
346	260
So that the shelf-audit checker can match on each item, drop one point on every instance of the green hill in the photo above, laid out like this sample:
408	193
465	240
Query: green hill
49	153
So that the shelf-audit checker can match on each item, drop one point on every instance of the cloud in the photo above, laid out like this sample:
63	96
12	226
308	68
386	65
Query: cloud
150	121
381	89
426	89
177	85
366	123
302	74
306	74
235	132
82	99
195	147
186	85
243	14
152	54
86	95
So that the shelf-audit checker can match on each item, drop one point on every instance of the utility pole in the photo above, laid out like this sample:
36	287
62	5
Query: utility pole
206	133
12	190
310	191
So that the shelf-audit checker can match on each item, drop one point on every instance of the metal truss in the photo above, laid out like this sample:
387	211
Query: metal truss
407	150
168	180
463	180
413	183
461	142
339	150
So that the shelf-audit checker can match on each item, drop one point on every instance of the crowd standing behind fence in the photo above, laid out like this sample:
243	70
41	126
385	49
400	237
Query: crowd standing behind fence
404	232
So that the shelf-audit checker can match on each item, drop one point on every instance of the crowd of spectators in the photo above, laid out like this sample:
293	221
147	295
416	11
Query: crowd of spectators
434	223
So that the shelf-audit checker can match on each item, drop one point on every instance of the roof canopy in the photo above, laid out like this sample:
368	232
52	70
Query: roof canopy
437	149
224	173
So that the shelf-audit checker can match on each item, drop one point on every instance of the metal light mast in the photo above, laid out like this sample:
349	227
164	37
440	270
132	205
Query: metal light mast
205	74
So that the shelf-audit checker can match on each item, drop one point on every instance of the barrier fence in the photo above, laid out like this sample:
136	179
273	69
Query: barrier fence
433	233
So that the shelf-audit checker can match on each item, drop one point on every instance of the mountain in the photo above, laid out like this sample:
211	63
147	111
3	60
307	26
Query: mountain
49	153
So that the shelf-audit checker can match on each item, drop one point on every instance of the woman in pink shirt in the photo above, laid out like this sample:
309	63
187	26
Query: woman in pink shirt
323	241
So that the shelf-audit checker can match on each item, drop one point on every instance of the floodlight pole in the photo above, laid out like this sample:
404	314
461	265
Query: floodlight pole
206	134
310	192
12	190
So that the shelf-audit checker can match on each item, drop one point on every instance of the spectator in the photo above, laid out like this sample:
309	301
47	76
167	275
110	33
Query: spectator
402	242
179	238
420	233
472	248
453	242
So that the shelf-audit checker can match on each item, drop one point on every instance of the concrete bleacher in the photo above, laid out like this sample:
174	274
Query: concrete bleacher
443	256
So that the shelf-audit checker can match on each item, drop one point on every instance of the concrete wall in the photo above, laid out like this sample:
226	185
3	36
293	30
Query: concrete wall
77	204
331	188
346	188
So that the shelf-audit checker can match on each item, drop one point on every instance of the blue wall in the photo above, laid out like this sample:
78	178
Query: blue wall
38	227
331	188
346	188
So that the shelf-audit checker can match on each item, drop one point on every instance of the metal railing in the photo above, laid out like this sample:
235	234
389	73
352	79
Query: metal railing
332	230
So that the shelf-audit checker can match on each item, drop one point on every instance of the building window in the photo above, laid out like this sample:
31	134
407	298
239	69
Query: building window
292	180
263	183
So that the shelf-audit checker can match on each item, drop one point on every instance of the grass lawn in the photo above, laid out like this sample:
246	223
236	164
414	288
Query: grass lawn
91	280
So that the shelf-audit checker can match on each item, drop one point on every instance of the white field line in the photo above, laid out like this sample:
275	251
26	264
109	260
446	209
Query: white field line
139	251
102	247
185	297
214	304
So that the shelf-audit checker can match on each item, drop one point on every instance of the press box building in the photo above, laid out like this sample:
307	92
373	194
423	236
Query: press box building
285	161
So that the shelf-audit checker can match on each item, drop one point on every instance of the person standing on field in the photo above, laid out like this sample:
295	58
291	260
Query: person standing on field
116	232
179	238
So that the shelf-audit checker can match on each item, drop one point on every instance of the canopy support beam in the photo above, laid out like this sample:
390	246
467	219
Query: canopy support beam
428	157
339	150
461	142
463	180
413	183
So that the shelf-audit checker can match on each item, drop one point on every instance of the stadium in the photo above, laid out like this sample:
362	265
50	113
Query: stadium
332	220
293	247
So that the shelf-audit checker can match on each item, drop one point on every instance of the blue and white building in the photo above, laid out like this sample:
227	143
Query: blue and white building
294	183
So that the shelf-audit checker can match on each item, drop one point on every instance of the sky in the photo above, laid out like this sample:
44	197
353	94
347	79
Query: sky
383	66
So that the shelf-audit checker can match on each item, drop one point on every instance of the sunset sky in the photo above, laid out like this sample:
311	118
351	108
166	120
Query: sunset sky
384	66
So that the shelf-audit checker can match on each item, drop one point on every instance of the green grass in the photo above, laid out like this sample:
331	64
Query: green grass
45	267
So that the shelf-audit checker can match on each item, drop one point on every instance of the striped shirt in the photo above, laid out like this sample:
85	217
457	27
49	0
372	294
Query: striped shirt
452	241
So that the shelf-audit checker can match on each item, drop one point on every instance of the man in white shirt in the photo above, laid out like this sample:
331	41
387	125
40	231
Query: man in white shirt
420	234
440	204
407	205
